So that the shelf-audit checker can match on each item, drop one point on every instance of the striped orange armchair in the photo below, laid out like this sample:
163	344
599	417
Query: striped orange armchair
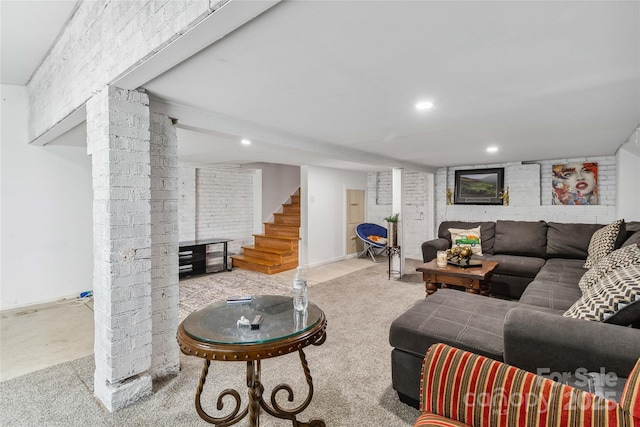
459	388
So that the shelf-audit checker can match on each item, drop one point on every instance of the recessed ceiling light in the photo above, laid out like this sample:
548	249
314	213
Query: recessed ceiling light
492	149
246	141
424	105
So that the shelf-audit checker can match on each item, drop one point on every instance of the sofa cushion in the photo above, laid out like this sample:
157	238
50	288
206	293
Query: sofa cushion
433	420
569	240
487	232
613	299
526	238
630	400
469	237
603	242
559	296
562	271
555	286
622	257
632	239
457	318
515	265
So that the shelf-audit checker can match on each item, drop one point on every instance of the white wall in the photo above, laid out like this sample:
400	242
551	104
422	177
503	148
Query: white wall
628	158
416	221
530	195
324	200
46	230
278	183
379	192
186	202
225	204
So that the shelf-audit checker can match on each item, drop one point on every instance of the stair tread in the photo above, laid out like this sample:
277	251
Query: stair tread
277	237
273	224
271	250
260	261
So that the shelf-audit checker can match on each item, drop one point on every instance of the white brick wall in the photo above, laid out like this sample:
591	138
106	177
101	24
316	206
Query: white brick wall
606	178
118	141
378	205
187	202
384	188
415	216
102	41
165	299
530	194
224	204
415	222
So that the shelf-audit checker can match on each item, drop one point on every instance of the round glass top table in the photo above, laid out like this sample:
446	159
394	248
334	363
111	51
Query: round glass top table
214	333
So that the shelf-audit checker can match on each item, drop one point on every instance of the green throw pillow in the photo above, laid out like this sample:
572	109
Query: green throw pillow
469	237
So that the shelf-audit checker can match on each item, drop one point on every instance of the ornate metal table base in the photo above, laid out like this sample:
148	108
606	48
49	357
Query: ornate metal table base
213	334
256	399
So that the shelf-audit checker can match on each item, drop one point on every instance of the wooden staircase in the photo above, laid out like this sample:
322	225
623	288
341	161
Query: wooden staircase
277	249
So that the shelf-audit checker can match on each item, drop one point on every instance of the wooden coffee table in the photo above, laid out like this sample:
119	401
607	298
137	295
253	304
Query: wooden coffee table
213	334
475	280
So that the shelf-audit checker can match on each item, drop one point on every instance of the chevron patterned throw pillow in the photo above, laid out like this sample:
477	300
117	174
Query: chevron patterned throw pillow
618	290
602	243
629	255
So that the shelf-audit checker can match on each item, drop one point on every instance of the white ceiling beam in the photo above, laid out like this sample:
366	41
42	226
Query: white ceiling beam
63	126
218	24
203	121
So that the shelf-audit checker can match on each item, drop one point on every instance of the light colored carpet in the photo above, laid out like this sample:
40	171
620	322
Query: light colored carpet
199	291
351	370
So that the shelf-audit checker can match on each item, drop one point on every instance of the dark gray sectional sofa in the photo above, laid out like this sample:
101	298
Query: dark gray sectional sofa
540	265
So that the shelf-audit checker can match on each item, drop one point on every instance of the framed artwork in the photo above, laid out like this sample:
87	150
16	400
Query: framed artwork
575	184
478	186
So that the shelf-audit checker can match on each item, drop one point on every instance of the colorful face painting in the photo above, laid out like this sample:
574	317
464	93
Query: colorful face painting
575	184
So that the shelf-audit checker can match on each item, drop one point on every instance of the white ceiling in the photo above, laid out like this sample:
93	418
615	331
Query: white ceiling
314	82
28	29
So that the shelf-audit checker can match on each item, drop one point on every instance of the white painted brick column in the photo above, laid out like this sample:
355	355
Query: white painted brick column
164	246
118	142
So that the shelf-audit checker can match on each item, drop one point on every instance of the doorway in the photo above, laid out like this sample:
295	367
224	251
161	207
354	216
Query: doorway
355	216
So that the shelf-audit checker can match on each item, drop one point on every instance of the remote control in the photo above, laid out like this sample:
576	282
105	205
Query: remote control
255	323
238	299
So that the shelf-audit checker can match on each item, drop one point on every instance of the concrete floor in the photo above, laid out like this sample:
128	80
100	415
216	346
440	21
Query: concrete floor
43	335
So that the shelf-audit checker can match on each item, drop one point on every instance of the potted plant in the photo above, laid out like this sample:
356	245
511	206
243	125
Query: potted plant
392	229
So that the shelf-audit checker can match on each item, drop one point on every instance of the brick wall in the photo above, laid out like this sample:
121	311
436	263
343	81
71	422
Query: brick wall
378	197
102	41
416	219
165	357
187	202
224	204
530	194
